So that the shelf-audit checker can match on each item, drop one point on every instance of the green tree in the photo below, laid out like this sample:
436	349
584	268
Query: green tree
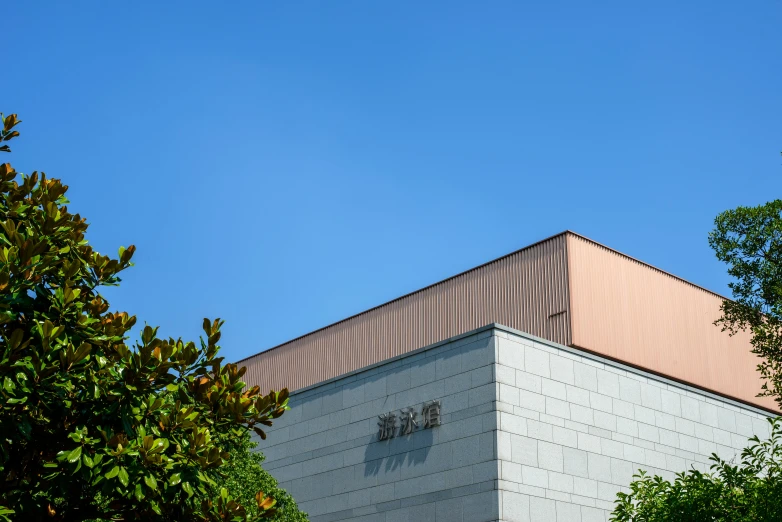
748	492
245	476
94	429
749	241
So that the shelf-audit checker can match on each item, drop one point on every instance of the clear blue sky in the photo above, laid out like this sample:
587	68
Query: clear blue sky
284	166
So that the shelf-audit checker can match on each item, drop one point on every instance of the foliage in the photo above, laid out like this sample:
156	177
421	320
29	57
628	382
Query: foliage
749	240
93	428
750	491
244	476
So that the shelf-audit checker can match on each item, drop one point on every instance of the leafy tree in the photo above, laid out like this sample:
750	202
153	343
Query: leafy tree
748	492
245	476
749	240
94	429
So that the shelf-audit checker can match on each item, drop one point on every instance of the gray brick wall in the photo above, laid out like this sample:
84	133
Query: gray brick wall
573	430
531	431
325	451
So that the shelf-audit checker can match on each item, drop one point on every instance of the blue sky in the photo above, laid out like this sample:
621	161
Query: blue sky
284	165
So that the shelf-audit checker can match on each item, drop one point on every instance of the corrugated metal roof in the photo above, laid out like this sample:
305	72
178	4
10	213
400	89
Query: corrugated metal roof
526	289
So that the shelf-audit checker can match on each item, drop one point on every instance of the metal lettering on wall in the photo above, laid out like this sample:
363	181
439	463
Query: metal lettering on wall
408	423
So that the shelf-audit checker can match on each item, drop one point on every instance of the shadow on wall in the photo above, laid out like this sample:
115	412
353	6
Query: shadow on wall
383	457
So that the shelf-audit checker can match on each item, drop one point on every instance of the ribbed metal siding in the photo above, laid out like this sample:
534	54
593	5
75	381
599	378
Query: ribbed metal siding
640	315
526	290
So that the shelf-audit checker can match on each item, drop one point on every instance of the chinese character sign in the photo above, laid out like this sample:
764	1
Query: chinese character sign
408	422
387	426
408	417
431	414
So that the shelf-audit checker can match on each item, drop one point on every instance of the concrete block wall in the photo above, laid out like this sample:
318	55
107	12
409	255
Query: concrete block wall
325	451
573	429
531	431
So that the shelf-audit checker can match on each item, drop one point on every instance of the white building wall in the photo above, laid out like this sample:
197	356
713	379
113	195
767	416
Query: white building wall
575	428
531	431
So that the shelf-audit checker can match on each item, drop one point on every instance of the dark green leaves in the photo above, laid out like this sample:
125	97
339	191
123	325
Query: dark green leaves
102	424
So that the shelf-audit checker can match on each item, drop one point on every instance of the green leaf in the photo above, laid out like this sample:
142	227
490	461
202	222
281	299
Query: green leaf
150	481
139	492
87	461
75	454
127	425
24	428
188	489
175	479
113	472
160	445
123	476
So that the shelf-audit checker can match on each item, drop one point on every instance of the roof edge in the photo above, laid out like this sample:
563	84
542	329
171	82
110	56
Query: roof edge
573	350
644	263
549	238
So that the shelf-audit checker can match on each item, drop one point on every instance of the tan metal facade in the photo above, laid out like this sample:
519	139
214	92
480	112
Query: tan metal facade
567	289
526	290
637	314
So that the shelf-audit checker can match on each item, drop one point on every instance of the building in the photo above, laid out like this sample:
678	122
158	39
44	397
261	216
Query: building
530	388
